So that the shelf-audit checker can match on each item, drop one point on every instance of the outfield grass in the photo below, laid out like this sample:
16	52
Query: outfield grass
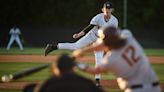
29	51
10	90
154	52
10	68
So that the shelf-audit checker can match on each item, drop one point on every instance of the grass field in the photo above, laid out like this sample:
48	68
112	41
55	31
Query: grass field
7	67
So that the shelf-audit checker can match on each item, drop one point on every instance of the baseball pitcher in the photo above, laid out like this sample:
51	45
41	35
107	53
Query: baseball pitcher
91	34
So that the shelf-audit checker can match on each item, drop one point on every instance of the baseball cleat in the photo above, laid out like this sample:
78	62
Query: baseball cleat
49	48
98	83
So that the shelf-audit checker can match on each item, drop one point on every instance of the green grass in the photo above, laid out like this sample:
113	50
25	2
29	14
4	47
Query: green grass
10	68
29	51
160	71
10	90
40	51
155	52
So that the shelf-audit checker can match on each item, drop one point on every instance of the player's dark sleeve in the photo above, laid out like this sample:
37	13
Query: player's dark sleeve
88	28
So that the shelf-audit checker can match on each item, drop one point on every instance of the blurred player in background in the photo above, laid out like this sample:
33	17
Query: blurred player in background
126	59
15	36
65	78
90	32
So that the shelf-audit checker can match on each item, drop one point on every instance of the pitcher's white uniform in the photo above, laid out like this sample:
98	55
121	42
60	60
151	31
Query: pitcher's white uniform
131	66
14	32
91	36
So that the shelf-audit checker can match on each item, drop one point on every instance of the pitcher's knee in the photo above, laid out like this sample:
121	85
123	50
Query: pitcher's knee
77	46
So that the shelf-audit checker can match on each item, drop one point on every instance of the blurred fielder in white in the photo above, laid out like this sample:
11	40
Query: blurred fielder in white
15	36
125	58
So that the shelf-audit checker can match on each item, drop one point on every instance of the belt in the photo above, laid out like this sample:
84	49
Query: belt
141	86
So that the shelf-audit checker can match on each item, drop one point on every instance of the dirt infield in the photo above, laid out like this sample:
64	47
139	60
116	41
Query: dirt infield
42	59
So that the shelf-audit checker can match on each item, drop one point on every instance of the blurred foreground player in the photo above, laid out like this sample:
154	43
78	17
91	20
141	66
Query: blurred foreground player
66	80
126	59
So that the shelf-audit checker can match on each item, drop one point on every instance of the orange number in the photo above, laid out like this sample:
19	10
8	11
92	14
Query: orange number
131	60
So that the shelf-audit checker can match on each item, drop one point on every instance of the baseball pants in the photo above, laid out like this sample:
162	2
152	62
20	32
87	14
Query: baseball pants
12	39
88	39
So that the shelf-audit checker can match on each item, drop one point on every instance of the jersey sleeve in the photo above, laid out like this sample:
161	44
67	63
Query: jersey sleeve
125	33
94	20
115	22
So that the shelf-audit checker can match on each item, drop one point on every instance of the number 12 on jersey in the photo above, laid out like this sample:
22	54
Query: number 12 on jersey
129	55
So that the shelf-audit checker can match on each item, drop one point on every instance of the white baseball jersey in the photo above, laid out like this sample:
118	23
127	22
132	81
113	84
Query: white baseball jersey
15	32
99	21
91	36
131	66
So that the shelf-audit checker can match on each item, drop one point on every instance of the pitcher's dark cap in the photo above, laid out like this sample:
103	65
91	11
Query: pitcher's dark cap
107	5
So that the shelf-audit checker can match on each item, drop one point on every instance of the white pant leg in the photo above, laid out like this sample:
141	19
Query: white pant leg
10	42
98	59
19	43
84	41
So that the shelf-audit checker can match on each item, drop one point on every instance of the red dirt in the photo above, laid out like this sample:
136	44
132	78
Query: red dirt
42	59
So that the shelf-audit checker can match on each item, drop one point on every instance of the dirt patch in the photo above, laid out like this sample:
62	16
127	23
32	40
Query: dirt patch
43	59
